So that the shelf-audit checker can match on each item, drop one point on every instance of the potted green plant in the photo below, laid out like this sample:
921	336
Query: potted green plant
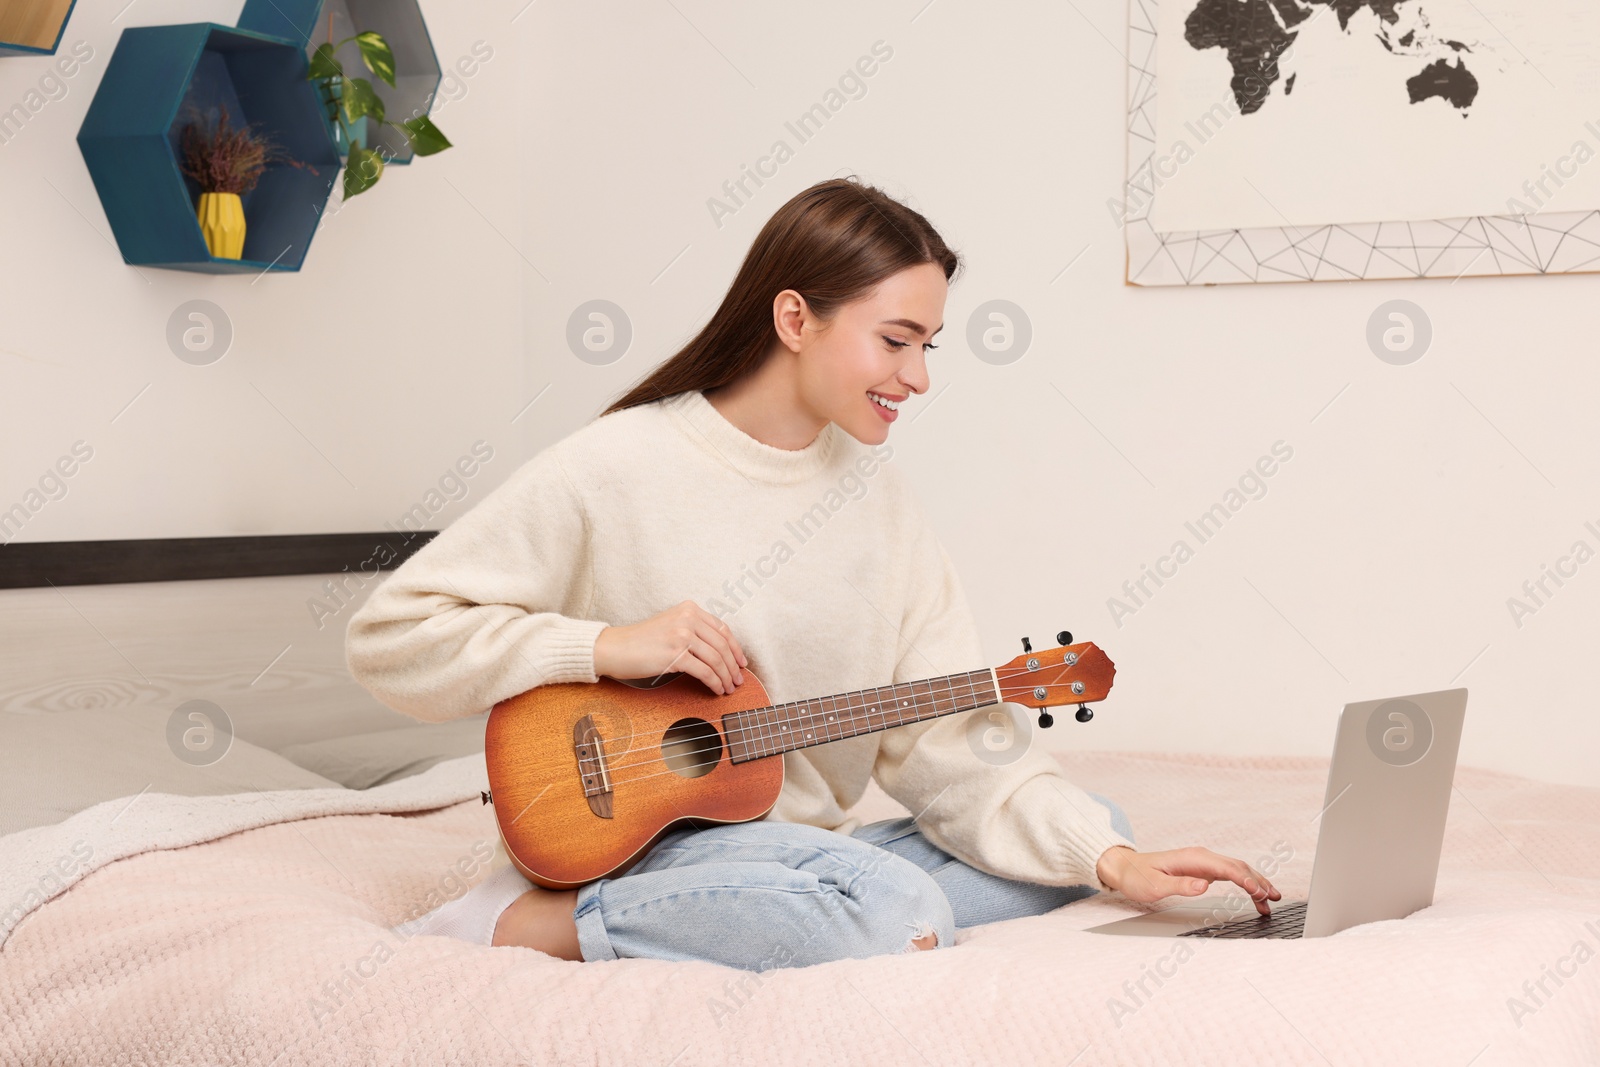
351	102
226	161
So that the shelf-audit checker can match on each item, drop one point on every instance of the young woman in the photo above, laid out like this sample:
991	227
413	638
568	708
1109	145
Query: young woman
734	510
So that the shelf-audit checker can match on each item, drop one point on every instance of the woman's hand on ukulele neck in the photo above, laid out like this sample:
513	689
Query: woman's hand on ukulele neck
1146	877
684	638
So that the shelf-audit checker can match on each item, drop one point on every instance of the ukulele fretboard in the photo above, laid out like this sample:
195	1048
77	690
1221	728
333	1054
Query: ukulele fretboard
762	732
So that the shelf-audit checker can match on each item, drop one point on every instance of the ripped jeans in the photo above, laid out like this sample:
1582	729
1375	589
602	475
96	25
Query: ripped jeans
757	895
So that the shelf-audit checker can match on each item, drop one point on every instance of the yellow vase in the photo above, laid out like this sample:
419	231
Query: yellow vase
221	218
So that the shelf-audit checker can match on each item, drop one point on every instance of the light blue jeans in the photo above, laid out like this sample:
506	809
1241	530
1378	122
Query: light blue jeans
757	895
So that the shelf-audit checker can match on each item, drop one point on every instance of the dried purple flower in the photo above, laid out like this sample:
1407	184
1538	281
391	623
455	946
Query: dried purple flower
224	159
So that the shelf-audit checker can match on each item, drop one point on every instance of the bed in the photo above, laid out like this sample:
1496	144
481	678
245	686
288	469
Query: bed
241	913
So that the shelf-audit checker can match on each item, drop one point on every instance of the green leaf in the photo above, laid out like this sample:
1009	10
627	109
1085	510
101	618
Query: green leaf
425	137
377	55
363	168
324	65
359	99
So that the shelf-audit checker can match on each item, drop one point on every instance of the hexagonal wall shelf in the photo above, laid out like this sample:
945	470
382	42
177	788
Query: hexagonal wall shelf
33	27
130	142
400	21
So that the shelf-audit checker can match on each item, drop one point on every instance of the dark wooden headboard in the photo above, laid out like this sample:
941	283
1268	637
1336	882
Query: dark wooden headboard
40	563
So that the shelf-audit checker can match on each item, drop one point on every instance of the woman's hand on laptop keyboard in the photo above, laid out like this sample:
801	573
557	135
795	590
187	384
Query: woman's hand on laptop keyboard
1147	877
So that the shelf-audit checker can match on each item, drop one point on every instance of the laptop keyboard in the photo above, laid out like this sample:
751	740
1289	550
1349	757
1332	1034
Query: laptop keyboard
1286	920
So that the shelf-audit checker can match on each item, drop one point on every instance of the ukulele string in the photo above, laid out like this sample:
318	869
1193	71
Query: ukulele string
744	731
857	715
917	700
952	690
866	710
618	778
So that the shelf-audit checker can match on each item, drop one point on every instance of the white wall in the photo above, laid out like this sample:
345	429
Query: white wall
1378	562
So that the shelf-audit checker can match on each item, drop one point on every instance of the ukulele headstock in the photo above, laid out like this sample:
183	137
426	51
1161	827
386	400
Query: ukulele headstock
1071	674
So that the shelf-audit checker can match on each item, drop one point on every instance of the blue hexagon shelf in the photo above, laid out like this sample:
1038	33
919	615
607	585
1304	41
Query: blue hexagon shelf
417	73
33	27
130	138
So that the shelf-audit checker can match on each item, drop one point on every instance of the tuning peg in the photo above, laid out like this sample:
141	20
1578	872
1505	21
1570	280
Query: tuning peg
1046	720
1027	646
1084	714
1064	637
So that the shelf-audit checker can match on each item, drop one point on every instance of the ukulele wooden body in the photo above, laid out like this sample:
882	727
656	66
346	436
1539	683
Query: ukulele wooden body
656	758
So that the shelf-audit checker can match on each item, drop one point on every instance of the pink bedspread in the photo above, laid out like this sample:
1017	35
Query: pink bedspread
271	946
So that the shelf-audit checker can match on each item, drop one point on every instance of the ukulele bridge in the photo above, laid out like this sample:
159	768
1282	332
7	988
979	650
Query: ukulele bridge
592	770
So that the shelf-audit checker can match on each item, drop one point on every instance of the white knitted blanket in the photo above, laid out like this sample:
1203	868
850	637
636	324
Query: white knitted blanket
43	862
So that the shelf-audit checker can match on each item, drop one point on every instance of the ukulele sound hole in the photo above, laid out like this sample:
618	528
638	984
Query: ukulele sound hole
691	747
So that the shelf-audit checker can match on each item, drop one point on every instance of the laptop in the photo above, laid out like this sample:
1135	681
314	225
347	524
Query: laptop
1383	818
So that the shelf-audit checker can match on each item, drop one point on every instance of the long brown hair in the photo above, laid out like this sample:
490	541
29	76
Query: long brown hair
832	244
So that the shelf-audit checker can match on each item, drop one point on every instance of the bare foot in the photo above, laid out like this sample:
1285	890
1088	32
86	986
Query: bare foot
541	919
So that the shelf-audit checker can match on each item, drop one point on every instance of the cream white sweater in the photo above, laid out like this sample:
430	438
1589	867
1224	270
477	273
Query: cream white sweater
820	560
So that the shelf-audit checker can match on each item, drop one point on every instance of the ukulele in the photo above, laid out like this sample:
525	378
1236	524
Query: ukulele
585	777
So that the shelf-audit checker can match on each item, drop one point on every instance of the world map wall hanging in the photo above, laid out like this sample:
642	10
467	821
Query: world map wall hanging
1318	140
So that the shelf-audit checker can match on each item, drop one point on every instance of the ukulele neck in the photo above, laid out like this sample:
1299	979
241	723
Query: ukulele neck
762	732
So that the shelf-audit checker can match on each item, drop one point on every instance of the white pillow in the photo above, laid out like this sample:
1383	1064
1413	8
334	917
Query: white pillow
365	760
55	764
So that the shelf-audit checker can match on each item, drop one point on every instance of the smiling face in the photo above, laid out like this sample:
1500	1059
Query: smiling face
875	347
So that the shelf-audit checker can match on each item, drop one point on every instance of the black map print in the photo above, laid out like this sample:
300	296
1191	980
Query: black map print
1254	34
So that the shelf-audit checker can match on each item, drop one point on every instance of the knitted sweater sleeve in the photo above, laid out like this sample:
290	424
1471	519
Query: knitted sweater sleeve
1014	814
475	616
